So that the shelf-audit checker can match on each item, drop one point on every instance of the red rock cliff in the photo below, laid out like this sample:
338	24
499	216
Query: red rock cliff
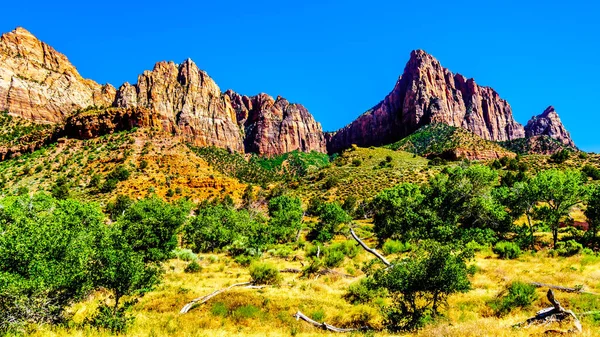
427	93
275	126
189	102
40	84
548	124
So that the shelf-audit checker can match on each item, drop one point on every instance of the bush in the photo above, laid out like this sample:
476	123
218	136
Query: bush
109	185
193	267
507	250
120	173
244	260
334	258
331	182
394	246
568	248
264	273
517	294
356	162
361	292
117	321
560	156
185	255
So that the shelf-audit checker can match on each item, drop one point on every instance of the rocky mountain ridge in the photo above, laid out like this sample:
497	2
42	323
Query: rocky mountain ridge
428	93
40	84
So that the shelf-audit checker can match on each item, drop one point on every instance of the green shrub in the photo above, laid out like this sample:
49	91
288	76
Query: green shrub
219	309
193	267
334	258
356	162
109	185
568	248
516	294
185	254
394	246
120	173
507	250
361	291
264	273
244	260
246	312
116	321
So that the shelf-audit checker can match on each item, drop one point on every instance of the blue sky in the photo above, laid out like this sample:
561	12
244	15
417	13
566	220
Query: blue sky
339	58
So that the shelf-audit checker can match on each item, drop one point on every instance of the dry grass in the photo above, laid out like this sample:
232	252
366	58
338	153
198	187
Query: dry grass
268	312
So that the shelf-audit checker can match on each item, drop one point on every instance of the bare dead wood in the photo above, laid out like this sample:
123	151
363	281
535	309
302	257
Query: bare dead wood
299	315
370	250
291	270
561	288
556	313
204	299
319	273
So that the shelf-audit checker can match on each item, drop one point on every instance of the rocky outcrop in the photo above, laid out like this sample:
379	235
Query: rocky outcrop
189	102
96	123
275	126
428	93
40	84
548	124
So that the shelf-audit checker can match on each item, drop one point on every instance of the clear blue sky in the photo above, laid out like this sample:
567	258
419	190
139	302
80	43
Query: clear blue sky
339	58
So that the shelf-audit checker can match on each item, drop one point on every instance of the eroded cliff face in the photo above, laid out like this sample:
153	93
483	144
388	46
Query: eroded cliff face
429	93
275	126
548	124
189	102
40	84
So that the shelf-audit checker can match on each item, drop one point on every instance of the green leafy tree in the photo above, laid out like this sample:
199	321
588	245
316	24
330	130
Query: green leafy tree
559	191
592	213
398	212
522	199
118	206
420	283
45	249
150	227
286	218
331	217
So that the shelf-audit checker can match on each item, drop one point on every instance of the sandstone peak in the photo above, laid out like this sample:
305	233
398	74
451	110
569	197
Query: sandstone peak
428	93
274	126
39	83
548	123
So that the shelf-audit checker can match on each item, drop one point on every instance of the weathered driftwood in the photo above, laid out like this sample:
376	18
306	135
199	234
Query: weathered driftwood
556	313
370	250
204	299
324	326
561	288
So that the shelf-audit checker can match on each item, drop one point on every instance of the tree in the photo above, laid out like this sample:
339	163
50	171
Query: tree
117	267
420	283
397	212
522	199
286	218
118	207
592	213
331	216
45	249
61	188
150	227
559	191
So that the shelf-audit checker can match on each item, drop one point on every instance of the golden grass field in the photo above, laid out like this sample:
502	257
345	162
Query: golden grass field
268	311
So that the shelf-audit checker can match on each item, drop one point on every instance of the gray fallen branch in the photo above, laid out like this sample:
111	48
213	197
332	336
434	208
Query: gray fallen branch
561	288
299	315
556	313
370	250
204	299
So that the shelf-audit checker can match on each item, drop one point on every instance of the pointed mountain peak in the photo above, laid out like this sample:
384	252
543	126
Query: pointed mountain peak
22	31
548	124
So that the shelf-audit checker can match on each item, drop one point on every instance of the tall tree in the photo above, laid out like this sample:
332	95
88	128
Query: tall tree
559	191
593	214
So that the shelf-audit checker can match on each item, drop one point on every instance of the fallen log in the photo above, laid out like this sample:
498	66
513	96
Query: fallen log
561	288
556	313
299	315
370	250
204	299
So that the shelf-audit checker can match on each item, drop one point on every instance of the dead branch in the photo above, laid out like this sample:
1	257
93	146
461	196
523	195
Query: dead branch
370	250
561	288
556	313
204	299
324	326
291	270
